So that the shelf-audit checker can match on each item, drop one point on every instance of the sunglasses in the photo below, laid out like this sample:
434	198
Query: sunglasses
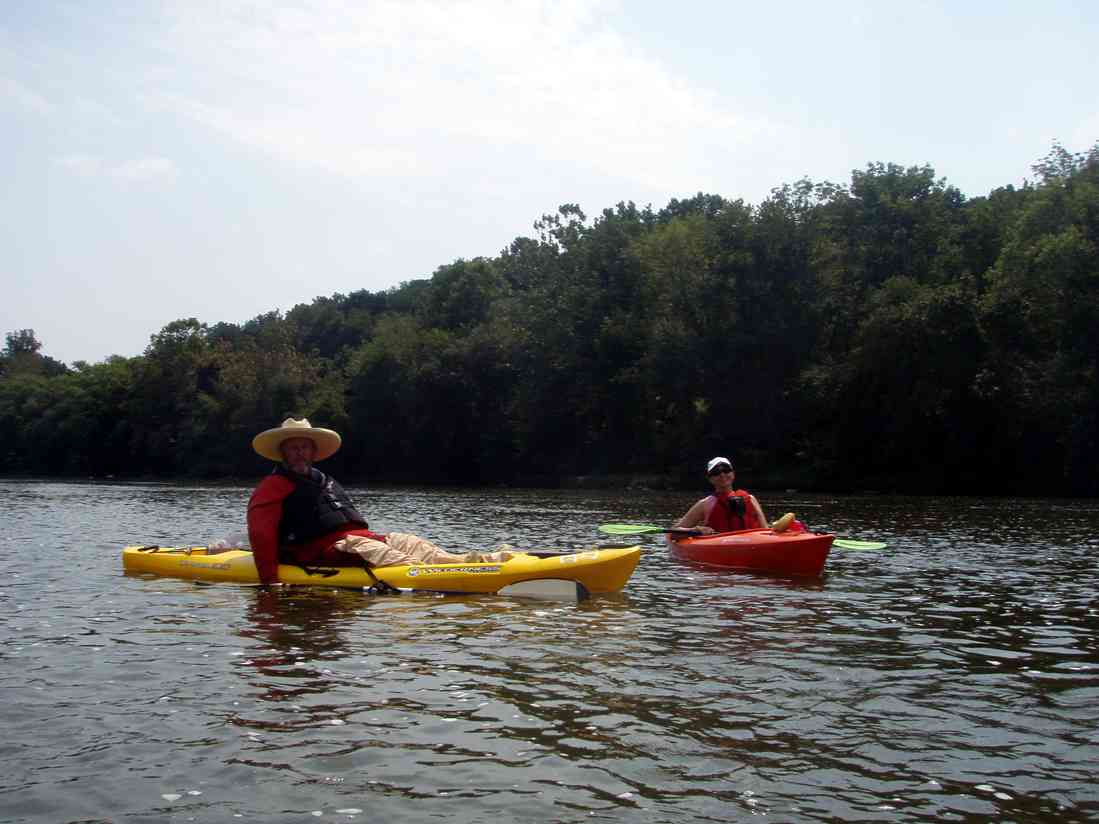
717	470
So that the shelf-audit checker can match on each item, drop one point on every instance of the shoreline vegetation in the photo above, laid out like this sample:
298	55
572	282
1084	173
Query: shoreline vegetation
887	334
594	482
769	485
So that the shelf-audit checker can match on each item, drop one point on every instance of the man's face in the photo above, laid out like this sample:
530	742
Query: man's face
298	454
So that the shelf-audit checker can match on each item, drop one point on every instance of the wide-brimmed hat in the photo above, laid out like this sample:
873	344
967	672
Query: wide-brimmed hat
267	443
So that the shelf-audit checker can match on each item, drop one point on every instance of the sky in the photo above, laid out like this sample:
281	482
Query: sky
221	159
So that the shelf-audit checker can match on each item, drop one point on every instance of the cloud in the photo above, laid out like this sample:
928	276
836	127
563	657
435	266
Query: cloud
416	88
136	170
146	169
15	92
81	165
93	111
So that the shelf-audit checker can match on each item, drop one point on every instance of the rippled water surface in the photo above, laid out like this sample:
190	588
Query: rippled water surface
951	677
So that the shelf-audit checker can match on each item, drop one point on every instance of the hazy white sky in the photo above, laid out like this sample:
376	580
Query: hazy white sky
222	158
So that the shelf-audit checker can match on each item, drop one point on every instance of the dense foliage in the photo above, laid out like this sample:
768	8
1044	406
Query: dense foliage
885	334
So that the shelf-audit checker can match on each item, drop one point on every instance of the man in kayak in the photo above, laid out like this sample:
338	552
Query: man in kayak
299	515
728	509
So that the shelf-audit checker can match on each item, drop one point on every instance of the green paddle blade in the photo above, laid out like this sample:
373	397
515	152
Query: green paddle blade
629	529
847	543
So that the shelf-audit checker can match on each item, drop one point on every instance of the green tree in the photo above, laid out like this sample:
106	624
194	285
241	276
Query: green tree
461	295
1041	317
22	355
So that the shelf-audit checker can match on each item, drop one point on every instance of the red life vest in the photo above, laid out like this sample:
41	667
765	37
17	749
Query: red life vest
731	511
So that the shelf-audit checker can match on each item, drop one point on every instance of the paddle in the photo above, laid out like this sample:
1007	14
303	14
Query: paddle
847	543
642	529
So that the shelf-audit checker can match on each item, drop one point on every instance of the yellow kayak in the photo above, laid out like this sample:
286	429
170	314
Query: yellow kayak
536	574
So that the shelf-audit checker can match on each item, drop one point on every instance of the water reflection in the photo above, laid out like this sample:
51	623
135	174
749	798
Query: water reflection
295	627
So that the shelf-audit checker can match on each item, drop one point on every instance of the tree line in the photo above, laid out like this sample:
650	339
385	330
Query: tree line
885	334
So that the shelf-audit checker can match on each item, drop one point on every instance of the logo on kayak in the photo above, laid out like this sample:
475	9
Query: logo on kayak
183	562
446	570
591	555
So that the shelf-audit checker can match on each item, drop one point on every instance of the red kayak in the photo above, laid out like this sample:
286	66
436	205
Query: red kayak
788	553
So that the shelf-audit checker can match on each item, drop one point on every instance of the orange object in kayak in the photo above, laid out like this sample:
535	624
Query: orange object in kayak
761	550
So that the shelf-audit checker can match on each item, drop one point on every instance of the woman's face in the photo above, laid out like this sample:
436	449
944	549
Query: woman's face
721	477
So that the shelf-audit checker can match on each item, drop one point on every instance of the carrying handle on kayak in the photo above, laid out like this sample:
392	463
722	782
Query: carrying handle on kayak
379	587
175	550
322	572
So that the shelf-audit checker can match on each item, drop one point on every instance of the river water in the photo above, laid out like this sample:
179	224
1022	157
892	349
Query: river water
951	677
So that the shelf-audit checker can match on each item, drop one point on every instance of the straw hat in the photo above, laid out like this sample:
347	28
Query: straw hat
267	443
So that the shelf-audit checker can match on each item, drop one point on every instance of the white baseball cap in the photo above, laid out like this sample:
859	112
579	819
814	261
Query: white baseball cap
717	462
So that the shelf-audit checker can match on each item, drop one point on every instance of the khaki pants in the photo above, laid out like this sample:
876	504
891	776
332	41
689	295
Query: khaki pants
400	549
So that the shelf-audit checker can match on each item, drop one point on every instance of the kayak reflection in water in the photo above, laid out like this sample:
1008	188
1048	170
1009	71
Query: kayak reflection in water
299	515
728	509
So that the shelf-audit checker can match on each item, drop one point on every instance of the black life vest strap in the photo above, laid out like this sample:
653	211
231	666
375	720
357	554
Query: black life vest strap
379	587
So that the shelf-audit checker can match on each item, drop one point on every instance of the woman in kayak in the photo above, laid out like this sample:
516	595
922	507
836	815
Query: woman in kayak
728	509
299	515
